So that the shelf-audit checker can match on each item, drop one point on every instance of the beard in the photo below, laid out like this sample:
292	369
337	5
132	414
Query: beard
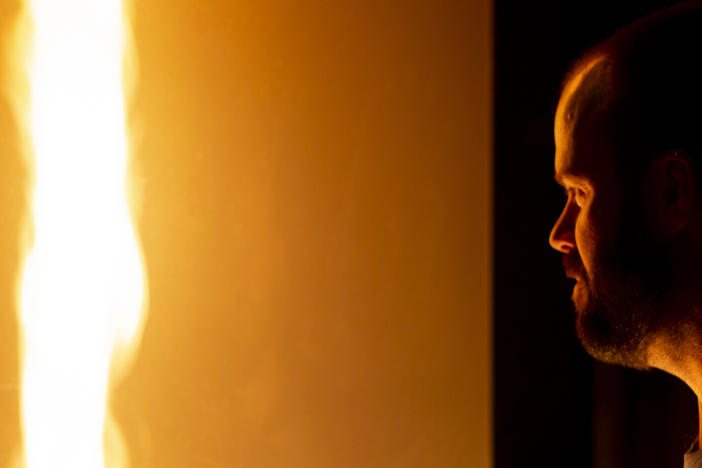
621	305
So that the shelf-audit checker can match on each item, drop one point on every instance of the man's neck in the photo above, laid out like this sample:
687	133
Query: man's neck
683	360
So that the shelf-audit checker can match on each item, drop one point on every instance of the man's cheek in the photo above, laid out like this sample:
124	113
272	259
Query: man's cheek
584	239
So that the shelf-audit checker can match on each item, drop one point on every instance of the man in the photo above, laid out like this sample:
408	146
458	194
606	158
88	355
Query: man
628	134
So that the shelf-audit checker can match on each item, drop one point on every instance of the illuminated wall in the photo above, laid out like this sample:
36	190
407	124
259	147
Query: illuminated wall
316	183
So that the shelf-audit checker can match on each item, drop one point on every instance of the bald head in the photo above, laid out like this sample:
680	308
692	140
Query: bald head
643	87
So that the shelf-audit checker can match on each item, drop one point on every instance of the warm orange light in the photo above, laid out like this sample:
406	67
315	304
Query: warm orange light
82	284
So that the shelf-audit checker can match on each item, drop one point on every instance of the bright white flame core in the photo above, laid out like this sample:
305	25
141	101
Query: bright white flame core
82	287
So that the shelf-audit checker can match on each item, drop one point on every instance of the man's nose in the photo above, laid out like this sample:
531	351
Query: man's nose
562	236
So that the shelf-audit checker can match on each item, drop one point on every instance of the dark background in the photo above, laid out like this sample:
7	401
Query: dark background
555	406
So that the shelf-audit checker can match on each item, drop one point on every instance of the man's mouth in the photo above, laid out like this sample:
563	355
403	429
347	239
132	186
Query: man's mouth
572	267
579	292
576	278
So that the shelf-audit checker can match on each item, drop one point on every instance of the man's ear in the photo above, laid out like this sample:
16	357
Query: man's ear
669	192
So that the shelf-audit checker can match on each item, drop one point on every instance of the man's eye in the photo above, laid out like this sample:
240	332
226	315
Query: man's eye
579	196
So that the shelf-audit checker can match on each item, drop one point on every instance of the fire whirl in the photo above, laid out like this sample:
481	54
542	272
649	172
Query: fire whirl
83	284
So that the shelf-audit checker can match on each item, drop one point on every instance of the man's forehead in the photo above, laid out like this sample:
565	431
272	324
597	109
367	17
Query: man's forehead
586	93
579	114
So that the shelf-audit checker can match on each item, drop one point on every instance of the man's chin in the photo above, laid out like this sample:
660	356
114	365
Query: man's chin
602	340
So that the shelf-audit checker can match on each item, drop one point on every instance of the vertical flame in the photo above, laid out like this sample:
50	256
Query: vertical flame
82	285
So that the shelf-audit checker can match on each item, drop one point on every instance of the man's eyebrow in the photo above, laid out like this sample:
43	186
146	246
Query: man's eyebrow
562	178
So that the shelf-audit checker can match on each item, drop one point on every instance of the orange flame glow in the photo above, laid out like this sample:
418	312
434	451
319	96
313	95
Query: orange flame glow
83	283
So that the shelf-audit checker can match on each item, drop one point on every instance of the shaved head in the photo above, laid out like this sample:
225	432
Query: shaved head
648	79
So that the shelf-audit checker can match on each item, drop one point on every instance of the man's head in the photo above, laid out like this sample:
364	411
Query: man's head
628	133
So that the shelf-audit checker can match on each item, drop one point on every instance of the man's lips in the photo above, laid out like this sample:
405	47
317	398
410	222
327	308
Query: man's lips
573	268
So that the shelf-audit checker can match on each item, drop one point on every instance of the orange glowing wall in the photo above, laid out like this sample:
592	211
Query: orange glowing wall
316	220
